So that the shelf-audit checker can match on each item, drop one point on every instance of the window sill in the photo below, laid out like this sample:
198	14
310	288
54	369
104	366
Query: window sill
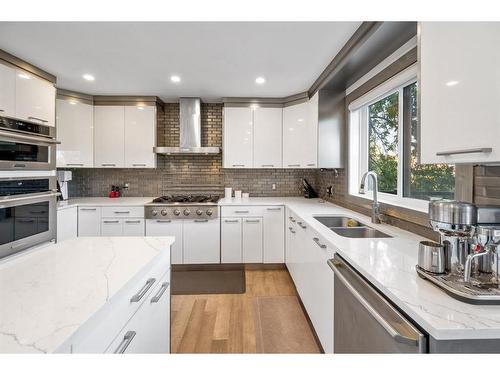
408	203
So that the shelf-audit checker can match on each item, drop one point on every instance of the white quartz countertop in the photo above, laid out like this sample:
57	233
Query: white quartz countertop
48	292
92	201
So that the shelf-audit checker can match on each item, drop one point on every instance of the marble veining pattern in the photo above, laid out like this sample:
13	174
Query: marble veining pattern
48	292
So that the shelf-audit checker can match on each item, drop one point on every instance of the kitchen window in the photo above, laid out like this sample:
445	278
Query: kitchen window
383	137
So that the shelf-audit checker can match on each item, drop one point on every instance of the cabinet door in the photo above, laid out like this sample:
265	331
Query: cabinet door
112	227
75	131
231	240
109	130
89	221
299	136
140	136
267	137
274	236
7	91
252	241
67	223
148	331
238	138
158	228
133	227
201	241
459	87
35	99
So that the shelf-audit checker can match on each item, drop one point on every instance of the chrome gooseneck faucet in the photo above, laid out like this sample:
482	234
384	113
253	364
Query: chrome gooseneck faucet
376	206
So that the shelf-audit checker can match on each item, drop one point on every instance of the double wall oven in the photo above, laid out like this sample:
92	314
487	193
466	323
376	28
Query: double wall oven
28	199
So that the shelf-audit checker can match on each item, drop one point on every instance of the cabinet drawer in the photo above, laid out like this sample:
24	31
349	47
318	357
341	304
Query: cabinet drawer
242	211
123	211
89	221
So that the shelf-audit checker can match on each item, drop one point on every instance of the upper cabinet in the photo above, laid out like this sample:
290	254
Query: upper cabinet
109	139
140	136
459	92
300	135
7	91
267	129
35	99
75	131
238	137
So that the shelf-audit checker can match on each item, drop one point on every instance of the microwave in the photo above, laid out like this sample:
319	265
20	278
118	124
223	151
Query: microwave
28	212
26	146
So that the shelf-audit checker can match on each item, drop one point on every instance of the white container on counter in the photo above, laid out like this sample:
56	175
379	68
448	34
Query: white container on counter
237	194
228	192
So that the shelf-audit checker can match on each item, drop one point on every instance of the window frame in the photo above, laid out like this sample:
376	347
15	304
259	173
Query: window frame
358	140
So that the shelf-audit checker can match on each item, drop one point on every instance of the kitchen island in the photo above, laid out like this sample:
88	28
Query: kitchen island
79	295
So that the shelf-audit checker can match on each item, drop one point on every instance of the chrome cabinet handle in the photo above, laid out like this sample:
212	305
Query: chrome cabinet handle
127	339
291	229
294	165
158	295
201	221
311	165
274	209
301	225
291	219
111	221
37	119
465	151
163	221
138	296
231	221
316	239
121	212
108	164
267	165
19	165
241	212
74	164
88	209
132	221
238	165
138	165
25	220
253	221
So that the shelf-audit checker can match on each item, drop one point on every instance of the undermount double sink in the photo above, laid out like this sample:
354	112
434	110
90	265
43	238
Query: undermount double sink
349	227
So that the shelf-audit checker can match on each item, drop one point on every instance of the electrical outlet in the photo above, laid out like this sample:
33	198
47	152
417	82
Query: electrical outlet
274	187
330	190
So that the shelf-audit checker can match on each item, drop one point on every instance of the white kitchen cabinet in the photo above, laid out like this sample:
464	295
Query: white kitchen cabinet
148	331
133	227
267	129
238	137
459	84
7	91
75	131
274	236
89	221
231	240
300	135
67	223
35	99
252	244
109	136
201	241
112	227
140	136
157	228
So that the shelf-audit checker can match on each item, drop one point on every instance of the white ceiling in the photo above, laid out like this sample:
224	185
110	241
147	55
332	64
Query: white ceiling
213	59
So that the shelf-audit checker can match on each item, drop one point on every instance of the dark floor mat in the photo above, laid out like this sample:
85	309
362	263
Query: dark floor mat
208	282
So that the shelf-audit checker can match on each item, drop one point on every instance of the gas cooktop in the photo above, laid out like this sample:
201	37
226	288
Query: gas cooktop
171	207
183	199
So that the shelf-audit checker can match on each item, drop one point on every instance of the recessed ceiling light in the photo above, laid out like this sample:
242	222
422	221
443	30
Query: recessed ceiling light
451	83
175	79
88	77
260	80
23	76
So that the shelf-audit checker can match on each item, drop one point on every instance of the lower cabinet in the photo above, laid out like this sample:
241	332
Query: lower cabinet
231	251
201	240
67	223
89	221
122	227
252	240
111	221
168	228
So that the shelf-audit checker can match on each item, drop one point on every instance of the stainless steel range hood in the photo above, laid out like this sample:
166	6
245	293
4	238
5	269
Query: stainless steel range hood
190	131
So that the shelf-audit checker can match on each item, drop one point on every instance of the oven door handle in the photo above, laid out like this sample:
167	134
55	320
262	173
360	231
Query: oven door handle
29	138
10	199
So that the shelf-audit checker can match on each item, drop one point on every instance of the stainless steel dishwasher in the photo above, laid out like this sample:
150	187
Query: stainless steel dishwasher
364	321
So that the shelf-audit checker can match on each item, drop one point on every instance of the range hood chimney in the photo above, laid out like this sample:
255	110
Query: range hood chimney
190	131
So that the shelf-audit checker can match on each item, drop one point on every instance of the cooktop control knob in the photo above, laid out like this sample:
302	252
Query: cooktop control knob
164	212
177	212
199	212
209	212
186	212
154	212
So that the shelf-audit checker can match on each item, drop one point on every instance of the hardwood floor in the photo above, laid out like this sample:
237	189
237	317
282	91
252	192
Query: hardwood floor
267	318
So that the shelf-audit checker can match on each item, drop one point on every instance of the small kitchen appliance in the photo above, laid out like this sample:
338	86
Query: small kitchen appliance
431	257
309	192
63	179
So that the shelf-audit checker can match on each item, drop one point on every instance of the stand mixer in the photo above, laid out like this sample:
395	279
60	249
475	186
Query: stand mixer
470	240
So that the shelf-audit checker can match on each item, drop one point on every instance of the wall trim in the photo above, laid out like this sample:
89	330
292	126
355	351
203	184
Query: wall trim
73	95
21	64
127	100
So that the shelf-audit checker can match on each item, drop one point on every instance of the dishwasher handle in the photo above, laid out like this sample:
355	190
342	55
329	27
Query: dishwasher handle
395	334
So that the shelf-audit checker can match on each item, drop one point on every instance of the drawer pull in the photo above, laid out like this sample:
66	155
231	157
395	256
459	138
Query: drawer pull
242	212
88	209
294	165
267	165
37	119
111	221
138	165
239	165
291	219
485	150
127	339
132	221
162	290
301	225
201	221
291	229
19	165
231	221
74	164
108	165
252	221
316	239
274	209
311	165
138	296
163	221
121	212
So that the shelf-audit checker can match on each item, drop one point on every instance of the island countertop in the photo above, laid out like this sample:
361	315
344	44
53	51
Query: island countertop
48	292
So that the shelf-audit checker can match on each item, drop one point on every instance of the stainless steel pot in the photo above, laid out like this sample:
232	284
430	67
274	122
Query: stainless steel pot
431	257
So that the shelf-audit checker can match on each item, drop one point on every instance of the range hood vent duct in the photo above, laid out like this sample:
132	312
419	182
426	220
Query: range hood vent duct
190	131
